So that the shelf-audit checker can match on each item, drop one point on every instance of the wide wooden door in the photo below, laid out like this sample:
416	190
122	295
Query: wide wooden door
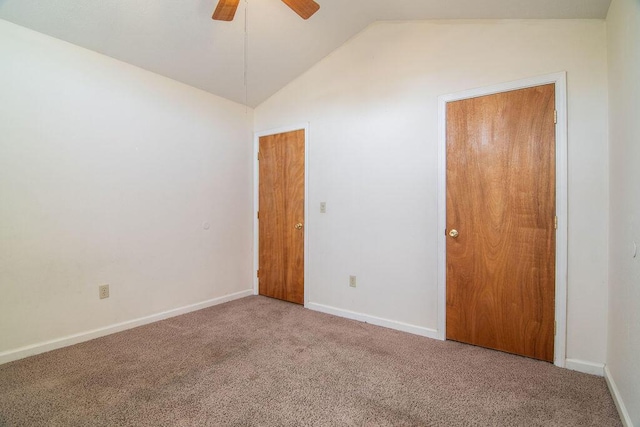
281	216
501	244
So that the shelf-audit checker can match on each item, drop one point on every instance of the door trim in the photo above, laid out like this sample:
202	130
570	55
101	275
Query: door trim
560	81
256	204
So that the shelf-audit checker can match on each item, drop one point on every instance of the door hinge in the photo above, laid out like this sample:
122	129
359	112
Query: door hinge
258	214
258	156
555	222
555	328
555	116
257	273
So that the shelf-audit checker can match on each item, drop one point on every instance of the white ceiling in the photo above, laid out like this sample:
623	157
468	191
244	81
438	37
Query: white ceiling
178	39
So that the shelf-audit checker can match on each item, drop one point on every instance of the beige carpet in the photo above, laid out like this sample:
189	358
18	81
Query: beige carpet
262	362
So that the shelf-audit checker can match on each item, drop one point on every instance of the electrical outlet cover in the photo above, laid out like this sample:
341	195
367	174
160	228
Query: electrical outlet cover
103	291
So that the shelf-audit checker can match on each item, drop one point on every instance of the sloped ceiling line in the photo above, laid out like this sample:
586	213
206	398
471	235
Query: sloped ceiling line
248	64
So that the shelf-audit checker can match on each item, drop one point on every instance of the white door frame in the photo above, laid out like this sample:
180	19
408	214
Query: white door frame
560	81
256	202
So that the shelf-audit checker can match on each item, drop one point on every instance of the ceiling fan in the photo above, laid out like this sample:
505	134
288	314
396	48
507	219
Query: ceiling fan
226	9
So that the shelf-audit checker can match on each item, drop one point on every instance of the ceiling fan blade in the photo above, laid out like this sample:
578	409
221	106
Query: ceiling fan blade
304	8
226	10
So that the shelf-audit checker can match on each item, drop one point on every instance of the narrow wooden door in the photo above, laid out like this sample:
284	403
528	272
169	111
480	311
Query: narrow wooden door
501	221
281	216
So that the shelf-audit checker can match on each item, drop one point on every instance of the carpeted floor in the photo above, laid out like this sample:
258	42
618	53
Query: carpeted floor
263	362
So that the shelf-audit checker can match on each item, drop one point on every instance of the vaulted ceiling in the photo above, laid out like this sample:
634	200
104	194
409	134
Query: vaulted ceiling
178	39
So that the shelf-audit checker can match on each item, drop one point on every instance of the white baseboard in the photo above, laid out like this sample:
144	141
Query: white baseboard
378	321
585	367
31	350
617	399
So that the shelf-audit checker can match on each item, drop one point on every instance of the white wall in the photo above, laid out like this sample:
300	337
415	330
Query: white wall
107	174
372	109
623	24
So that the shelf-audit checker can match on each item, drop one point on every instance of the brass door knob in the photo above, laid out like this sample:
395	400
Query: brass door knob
298	226
454	233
